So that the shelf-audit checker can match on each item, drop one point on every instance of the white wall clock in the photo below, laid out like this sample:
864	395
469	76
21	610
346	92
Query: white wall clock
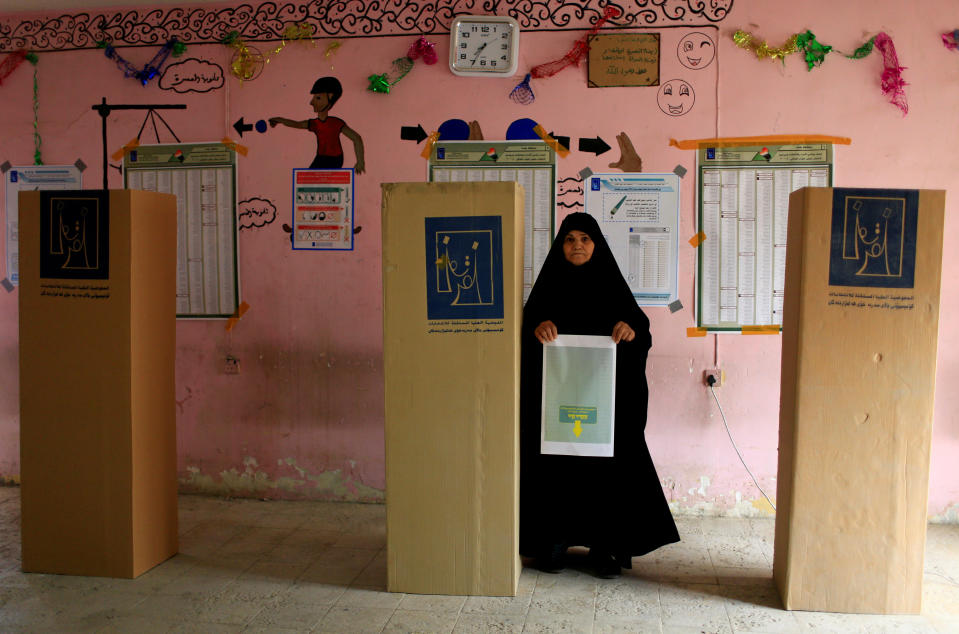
484	46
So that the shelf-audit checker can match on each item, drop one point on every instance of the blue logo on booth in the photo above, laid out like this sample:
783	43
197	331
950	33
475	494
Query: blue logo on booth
873	237
464	267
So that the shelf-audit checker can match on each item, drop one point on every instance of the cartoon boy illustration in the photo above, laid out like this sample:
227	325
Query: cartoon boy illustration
329	152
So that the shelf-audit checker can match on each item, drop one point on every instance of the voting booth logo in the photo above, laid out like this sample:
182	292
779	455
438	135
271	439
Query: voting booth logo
874	238
464	267
74	234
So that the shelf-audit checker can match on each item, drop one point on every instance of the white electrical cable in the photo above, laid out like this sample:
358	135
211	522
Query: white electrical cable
721	413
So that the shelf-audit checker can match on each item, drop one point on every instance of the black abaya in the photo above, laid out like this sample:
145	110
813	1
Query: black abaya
615	504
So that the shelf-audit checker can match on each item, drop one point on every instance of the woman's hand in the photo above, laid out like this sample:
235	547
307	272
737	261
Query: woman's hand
546	332
622	332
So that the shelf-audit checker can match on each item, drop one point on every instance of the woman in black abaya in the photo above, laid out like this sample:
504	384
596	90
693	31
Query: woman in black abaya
615	506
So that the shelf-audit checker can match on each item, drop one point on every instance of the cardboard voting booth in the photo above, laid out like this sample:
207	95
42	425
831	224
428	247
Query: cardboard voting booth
452	307
97	408
860	327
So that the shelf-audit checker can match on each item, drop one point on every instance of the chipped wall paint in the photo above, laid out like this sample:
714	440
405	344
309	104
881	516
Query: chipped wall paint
949	515
251	481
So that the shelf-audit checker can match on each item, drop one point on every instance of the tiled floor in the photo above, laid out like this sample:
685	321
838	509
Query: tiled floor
249	566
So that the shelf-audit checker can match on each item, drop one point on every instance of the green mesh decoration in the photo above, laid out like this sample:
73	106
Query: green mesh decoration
37	159
814	51
863	50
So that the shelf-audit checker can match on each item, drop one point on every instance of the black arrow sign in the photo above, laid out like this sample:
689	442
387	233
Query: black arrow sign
241	127
409	133
563	140
597	145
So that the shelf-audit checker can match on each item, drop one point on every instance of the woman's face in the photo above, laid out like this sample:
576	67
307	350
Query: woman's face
578	247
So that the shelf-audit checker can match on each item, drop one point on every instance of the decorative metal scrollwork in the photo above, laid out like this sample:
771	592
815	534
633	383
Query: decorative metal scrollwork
334	18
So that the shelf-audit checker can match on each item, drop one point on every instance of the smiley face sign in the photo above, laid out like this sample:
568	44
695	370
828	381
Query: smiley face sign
676	97
696	50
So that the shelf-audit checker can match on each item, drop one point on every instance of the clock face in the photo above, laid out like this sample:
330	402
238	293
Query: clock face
484	46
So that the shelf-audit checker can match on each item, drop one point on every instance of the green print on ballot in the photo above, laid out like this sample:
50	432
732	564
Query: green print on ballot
575	395
577	417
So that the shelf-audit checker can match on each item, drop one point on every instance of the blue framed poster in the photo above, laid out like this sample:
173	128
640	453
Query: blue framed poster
323	209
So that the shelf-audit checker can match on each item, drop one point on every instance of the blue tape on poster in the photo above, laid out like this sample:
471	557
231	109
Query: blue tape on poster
464	267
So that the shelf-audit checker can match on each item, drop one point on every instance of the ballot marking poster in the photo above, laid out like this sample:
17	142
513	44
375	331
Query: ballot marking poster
202	176
31	178
743	213
639	217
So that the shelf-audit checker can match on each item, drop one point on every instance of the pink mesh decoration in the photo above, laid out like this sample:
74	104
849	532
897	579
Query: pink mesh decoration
423	48
892	81
579	50
951	40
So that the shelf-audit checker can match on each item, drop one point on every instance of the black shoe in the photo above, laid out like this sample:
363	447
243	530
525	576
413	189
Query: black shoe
605	565
552	560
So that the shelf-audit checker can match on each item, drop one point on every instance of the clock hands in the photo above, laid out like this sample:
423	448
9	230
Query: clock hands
478	51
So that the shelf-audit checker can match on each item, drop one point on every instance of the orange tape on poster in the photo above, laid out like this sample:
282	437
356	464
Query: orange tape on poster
558	147
772	329
775	139
695	332
233	145
119	154
430	141
697	239
240	311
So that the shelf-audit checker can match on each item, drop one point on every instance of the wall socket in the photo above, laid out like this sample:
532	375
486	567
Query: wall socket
714	372
231	365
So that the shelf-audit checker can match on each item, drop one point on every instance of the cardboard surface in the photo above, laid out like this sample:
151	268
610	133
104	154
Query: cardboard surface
858	385
97	430
452	284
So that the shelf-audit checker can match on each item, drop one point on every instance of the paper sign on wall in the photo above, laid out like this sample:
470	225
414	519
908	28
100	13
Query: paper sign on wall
624	59
28	178
323	209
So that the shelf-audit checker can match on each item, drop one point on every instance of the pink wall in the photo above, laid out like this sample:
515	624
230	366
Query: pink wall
304	418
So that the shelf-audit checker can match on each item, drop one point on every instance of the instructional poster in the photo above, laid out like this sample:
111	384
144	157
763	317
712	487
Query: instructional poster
31	178
532	164
639	216
202	176
323	209
743	212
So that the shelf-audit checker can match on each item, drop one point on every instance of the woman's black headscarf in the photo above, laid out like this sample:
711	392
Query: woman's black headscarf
586	296
615	503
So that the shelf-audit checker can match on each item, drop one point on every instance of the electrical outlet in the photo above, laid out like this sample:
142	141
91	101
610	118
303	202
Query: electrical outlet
231	365
718	375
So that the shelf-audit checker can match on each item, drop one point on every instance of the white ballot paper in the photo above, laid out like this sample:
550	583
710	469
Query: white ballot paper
579	396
